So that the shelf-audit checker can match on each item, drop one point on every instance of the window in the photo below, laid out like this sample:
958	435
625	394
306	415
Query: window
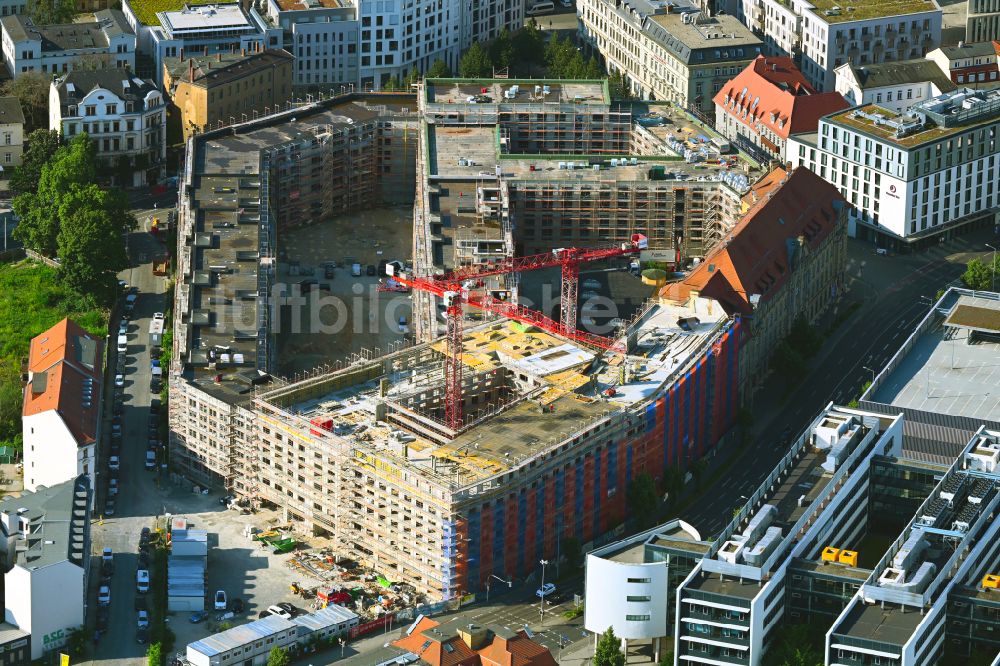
639	580
628	598
91	110
637	618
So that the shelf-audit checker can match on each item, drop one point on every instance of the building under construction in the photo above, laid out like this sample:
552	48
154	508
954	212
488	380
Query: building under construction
508	168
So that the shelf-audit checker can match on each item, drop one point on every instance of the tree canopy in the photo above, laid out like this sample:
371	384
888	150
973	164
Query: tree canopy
979	275
73	219
439	70
609	650
278	657
41	146
47	12
475	63
32	90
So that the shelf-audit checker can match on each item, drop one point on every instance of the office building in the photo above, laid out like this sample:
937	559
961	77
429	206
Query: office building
106	42
11	135
61	417
914	178
324	37
893	85
668	51
766	103
982	21
785	259
822	35
207	92
125	116
45	545
174	28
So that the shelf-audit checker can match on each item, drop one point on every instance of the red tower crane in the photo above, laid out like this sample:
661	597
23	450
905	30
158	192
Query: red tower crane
451	288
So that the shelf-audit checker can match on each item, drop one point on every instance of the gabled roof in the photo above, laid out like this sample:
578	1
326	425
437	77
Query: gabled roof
64	364
758	254
439	645
773	92
75	85
969	50
901	72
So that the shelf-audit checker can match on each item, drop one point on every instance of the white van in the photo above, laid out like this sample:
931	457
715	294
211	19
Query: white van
122	344
356	270
540	8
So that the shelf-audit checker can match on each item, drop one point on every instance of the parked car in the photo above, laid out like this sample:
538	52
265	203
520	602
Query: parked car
119	380
197	617
141	604
264	613
356	270
403	326
328	272
591	284
545	590
155	352
381	267
114	463
104	595
142	581
109	507
220	600
144	535
237	605
157	316
142	636
107	555
143	562
280	612
371	271
113	487
150	459
154	407
123	327
142	619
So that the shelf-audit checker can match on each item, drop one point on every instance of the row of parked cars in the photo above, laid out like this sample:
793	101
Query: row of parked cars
141	588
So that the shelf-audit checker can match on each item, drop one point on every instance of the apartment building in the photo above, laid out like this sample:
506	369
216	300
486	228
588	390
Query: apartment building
915	177
823	35
45	547
105	42
668	51
893	85
324	36
982	21
972	65
227	88
125	116
61	417
11	134
784	259
8	7
766	103
174	28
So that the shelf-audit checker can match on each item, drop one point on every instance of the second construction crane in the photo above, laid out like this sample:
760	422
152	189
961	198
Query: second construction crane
456	288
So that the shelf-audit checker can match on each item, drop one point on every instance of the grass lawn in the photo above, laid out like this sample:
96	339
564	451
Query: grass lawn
146	10
31	301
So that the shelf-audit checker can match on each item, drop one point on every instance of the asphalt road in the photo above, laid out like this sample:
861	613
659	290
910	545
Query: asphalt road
894	292
136	498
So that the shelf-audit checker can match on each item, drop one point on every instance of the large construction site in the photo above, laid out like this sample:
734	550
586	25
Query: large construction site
448	460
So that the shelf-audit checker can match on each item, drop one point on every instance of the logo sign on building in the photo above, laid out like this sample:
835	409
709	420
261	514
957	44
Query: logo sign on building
54	640
892	191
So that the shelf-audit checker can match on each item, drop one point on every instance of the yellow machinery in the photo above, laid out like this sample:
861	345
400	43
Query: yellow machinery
830	554
991	581
848	557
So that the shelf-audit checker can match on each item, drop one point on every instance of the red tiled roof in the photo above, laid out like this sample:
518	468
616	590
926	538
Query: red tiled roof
754	257
518	650
785	102
60	361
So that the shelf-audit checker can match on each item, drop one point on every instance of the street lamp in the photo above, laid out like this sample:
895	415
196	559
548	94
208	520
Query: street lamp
541	600
342	644
993	268
865	367
510	583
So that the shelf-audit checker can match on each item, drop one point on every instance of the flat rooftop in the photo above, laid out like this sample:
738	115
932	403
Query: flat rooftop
869	9
943	373
303	5
490	92
146	10
891	624
205	17
727	586
670	535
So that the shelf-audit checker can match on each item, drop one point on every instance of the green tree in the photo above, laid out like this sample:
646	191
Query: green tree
72	166
804	337
392	85
619	86
796	646
154	655
93	222
787	362
475	63
667	658
32	90
979	275
642	500
593	69
609	650
46	12
529	45
42	144
412	77
439	70
572	553
502	50
278	657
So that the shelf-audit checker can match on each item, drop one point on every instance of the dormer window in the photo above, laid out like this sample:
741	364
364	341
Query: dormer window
71	111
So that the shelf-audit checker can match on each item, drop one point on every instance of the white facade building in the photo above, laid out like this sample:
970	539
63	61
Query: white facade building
668	51
11	135
125	116
201	28
61	417
364	43
823	35
106	42
635	580
931	172
45	542
892	85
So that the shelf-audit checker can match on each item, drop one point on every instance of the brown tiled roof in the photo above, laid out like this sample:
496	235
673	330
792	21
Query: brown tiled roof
778	97
763	187
511	649
755	257
61	361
